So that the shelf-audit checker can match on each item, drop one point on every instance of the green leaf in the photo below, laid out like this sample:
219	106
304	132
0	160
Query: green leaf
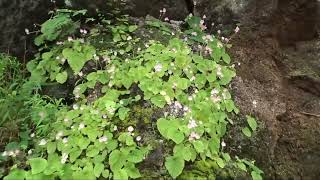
220	162
38	165
256	176
242	166
176	135
98	168
226	58
15	174
246	131
252	123
83	142
51	147
174	165
74	155
229	105
135	156
199	146
132	28
120	174
183	151
77	59
105	173
132	171
158	100
116	160
123	113
92	152
62	77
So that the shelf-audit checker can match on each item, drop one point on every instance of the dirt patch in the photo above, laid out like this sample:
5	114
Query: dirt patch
280	75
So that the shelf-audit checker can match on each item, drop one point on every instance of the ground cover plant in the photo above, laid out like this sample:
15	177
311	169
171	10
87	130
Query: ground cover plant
142	92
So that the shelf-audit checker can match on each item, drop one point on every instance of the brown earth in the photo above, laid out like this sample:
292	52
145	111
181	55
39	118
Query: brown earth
278	66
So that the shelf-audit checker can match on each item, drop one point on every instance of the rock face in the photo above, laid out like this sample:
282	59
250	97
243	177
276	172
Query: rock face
16	16
175	9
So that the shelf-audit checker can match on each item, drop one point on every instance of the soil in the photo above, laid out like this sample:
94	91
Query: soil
278	67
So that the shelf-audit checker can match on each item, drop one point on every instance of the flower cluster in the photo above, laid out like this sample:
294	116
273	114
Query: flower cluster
11	153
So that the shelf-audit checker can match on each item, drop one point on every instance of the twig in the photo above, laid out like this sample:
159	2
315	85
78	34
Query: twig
310	114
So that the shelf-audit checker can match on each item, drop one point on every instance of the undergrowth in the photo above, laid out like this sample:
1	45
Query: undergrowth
135	99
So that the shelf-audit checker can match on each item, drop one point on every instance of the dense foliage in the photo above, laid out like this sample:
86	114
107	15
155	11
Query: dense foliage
177	81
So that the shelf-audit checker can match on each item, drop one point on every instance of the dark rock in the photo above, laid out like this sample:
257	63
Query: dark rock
175	9
16	16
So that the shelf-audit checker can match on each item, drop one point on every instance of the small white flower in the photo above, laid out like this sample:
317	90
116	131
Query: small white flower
130	128
65	140
192	78
103	139
10	153
115	128
192	124
164	10
223	144
254	102
104	116
81	126
63	60
177	105
30	152
215	98
75	106
27	31
219	31
32	135
70	39
59	135
5	153
17	151
166	19
204	17
237	29
219	45
13	154
139	49
138	138
158	67
64	158
80	74
185	109
194	136
66	120
129	38
190	98
42	142
194	33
